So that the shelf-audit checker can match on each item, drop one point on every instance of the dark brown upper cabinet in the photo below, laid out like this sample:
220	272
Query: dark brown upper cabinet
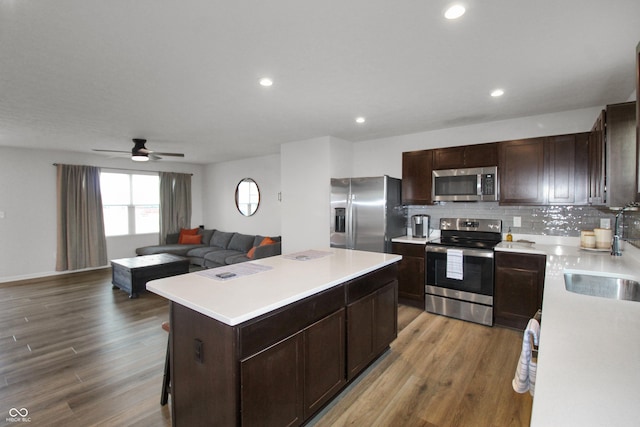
567	168
416	177
468	156
522	172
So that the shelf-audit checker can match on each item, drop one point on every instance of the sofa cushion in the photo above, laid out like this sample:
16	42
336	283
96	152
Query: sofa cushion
221	239
166	249
241	242
265	241
187	239
187	232
219	257
235	259
206	236
201	251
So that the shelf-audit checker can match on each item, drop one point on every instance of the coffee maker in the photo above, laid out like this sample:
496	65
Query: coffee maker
420	225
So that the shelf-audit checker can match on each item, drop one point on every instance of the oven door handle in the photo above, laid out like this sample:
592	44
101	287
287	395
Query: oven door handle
483	253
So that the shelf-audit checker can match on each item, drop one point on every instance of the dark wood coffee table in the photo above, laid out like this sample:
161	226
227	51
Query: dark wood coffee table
132	274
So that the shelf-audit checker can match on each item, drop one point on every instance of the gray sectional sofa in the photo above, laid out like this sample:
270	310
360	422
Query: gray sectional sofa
218	248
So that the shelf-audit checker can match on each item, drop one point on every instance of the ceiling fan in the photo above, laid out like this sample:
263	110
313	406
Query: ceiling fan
140	153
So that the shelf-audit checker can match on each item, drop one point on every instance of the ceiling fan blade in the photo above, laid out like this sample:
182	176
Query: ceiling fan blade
153	156
111	151
169	154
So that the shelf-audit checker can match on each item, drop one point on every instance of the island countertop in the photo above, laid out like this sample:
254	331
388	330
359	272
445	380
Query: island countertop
282	280
589	347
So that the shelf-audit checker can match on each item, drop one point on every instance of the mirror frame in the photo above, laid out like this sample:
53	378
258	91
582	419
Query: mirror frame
252	209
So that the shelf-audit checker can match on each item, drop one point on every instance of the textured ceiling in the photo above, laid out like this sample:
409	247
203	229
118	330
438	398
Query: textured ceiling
78	74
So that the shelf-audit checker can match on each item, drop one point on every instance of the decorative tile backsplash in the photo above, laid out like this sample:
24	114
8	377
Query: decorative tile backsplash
543	220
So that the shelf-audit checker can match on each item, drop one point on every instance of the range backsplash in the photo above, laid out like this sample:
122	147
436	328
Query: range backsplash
543	220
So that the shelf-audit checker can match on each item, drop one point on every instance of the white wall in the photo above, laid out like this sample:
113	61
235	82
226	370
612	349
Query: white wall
384	156
220	182
28	200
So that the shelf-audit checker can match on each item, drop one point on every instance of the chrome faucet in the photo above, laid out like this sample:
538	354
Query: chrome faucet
615	245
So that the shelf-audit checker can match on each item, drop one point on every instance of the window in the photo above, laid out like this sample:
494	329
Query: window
131	203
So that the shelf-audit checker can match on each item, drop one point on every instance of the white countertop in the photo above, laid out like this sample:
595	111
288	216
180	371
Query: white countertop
239	299
589	354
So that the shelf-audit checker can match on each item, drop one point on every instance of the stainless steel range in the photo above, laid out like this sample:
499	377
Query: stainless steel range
459	269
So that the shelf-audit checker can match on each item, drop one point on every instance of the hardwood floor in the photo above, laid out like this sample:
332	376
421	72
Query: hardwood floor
74	352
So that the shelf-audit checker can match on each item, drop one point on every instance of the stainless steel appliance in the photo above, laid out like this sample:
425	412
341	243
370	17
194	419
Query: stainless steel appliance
465	185
366	213
420	225
459	269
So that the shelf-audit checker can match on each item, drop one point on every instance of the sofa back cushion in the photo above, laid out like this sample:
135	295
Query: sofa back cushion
221	239
241	242
206	236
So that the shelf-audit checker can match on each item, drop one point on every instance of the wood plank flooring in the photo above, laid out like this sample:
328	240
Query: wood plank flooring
75	352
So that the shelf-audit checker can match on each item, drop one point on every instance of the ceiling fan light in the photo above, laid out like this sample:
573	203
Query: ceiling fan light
138	157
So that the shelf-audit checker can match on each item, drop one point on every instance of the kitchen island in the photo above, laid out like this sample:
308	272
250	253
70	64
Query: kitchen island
589	349
276	342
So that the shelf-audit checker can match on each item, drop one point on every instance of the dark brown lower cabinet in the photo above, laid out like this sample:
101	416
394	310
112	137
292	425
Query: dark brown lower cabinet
288	382
281	368
410	273
372	323
519	285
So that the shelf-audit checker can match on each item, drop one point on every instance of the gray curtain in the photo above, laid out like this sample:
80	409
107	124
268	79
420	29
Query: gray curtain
175	203
81	239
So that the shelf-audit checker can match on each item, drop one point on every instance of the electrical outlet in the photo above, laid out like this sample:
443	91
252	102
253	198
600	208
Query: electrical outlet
517	221
605	223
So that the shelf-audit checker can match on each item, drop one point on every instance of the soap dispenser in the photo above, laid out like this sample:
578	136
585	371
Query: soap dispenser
509	236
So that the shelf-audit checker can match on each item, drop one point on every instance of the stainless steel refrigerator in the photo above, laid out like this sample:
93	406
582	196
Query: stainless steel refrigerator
366	213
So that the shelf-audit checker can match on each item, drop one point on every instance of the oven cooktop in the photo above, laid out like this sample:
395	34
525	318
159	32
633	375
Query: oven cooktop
469	233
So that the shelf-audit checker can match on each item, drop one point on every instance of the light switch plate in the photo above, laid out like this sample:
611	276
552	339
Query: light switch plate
1	214
517	221
605	223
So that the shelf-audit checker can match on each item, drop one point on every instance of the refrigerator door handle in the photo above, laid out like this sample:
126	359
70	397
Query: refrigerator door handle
353	233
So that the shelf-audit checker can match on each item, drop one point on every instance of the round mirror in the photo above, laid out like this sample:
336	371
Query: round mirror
247	197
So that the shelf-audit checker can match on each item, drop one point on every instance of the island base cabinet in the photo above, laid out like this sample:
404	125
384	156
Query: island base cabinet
280	368
288	382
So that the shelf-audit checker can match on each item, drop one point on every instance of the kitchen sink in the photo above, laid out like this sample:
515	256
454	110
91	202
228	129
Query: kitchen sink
602	286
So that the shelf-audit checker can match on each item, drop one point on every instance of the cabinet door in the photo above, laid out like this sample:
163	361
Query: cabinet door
448	158
416	177
410	273
324	355
562	169
269	402
359	335
385	317
372	324
519	285
481	155
597	162
522	172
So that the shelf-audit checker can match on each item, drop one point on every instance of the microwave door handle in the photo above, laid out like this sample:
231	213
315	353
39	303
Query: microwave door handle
479	185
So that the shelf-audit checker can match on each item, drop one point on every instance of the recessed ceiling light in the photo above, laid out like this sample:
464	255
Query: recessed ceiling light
454	12
496	93
265	81
360	120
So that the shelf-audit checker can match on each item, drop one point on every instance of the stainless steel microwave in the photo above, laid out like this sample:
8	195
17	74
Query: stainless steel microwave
465	185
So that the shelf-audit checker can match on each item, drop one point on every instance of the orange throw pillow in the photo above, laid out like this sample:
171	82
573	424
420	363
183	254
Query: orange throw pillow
265	241
186	232
190	239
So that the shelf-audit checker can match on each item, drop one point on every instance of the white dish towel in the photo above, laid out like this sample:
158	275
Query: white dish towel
525	376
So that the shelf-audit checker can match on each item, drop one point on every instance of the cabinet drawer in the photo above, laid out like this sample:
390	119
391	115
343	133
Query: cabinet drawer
273	327
369	283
